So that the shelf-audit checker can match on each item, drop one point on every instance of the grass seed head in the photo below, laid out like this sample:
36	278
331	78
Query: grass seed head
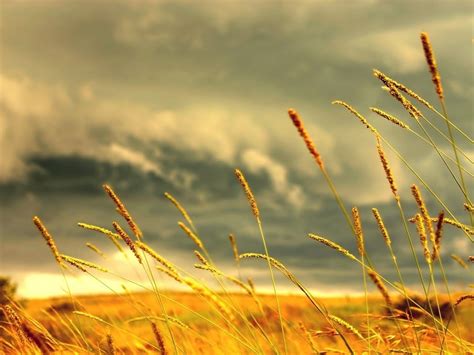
387	170
357	114
122	210
381	287
431	61
248	192
127	241
159	339
358	231
48	238
332	245
298	123
389	117
191	235
381	225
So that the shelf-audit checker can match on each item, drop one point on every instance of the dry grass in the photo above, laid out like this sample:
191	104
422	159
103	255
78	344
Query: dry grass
213	319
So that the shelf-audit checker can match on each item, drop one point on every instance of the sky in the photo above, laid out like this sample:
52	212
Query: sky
155	96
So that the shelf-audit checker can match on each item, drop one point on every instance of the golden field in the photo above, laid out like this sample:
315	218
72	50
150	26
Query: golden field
199	336
213	320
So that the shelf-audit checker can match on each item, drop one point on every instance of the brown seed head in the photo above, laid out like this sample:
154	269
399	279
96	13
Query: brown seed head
459	260
381	225
389	117
358	231
422	233
298	123
191	235
357	114
438	235
49	239
387	170
248	192
332	245
127	241
159	339
180	208
233	244
122	210
433	67
381	287
423	211
385	79
147	249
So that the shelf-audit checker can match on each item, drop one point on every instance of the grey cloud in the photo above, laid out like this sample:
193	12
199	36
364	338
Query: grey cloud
170	96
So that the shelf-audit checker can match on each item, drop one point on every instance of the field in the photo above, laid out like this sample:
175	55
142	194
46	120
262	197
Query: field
199	336
215	319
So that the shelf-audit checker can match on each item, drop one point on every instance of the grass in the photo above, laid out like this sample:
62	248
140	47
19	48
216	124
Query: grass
218	319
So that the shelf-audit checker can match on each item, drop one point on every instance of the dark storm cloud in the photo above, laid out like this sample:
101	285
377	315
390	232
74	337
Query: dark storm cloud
168	96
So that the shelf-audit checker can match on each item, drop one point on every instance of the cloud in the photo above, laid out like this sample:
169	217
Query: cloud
258	162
